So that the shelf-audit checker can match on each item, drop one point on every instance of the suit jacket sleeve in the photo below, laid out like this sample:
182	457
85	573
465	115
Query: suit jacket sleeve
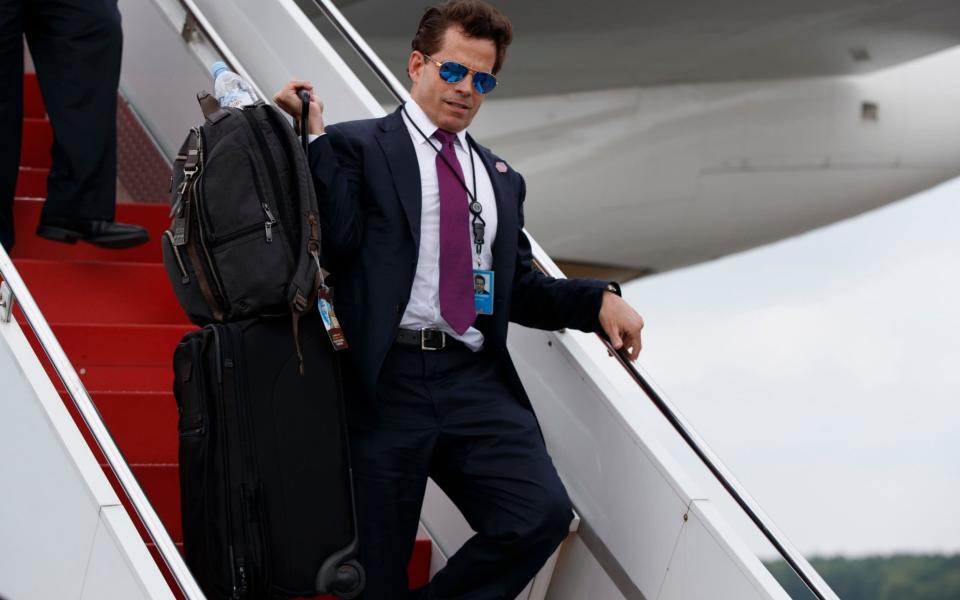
546	302
338	177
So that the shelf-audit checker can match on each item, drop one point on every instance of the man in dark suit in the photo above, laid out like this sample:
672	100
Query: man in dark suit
434	390
76	46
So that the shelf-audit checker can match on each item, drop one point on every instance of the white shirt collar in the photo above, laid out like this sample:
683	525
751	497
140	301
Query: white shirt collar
428	127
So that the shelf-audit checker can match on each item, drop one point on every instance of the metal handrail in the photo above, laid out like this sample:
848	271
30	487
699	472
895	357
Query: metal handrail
94	422
361	47
797	562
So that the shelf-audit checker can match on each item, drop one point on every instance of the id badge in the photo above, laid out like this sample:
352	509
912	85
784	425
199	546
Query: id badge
483	291
329	317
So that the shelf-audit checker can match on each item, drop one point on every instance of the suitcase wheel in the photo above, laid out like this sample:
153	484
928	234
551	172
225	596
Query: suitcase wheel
350	580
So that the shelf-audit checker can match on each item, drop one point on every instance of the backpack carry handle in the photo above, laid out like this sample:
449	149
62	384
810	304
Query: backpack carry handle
304	118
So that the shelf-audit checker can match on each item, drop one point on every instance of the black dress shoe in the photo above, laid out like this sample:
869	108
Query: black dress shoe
105	234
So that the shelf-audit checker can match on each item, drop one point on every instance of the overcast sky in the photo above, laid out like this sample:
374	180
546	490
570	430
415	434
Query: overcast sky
825	371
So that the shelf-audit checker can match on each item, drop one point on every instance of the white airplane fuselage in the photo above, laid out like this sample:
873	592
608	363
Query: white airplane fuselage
650	179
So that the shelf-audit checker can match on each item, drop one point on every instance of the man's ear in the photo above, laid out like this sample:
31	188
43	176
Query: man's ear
415	66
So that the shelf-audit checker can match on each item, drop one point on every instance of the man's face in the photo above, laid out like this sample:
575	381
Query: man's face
478	284
451	106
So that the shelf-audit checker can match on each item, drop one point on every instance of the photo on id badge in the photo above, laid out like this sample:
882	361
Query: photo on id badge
483	291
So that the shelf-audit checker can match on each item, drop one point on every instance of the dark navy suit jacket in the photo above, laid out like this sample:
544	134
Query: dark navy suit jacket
368	189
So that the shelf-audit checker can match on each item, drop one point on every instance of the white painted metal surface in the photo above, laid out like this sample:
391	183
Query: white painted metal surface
63	531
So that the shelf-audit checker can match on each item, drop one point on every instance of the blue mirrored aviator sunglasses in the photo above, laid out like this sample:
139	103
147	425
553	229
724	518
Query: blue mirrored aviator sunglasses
454	72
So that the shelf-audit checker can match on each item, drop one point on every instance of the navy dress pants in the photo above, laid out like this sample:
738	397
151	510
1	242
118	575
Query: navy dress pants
449	415
76	47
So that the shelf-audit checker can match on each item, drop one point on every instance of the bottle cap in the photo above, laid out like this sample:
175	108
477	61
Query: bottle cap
218	67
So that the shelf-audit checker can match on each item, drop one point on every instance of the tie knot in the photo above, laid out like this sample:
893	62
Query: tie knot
445	137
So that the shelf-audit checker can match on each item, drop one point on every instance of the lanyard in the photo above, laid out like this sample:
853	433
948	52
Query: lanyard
477	224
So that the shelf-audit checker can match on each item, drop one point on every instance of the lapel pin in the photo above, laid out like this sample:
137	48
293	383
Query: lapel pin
501	166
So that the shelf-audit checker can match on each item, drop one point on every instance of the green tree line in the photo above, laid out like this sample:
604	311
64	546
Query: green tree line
897	577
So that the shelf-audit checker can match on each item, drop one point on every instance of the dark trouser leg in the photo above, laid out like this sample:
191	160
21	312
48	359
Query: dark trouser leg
76	47
11	111
491	461
390	465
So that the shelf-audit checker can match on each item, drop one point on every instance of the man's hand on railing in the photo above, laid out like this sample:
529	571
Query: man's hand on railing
288	100
621	323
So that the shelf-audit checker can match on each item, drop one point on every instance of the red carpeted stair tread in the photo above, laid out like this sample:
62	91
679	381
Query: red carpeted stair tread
143	424
26	215
418	571
161	484
33	107
125	379
95	345
35	144
101	292
31	183
119	358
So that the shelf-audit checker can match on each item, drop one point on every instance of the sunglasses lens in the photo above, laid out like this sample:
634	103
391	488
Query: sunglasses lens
452	72
484	82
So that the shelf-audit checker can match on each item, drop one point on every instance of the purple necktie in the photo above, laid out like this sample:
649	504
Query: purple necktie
456	274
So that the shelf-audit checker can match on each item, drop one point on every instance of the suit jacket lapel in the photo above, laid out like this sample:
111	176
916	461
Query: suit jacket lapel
394	140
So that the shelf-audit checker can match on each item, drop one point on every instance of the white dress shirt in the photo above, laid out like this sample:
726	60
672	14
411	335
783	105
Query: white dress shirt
423	309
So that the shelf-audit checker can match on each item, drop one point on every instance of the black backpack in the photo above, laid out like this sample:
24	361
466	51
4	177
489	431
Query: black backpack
245	236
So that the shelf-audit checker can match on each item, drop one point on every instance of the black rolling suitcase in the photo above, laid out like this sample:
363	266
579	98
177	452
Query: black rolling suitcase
266	492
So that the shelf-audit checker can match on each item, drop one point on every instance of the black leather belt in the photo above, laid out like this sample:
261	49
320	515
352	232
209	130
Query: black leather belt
428	339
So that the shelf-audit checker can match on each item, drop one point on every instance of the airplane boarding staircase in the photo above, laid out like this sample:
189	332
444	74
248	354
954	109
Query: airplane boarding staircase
645	529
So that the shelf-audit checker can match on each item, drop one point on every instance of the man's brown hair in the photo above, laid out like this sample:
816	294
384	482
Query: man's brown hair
477	19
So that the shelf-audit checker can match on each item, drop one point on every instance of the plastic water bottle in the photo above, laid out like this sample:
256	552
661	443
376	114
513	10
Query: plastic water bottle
229	88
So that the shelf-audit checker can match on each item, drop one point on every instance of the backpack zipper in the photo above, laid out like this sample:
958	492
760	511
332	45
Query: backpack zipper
184	276
198	193
271	167
270	222
282	134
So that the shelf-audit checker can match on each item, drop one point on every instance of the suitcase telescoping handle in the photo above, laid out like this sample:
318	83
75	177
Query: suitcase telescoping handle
304	118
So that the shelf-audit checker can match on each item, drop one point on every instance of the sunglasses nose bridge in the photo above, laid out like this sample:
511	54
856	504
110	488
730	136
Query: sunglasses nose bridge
465	84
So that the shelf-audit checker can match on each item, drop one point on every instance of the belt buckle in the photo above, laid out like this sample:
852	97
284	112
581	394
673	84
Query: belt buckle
423	339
